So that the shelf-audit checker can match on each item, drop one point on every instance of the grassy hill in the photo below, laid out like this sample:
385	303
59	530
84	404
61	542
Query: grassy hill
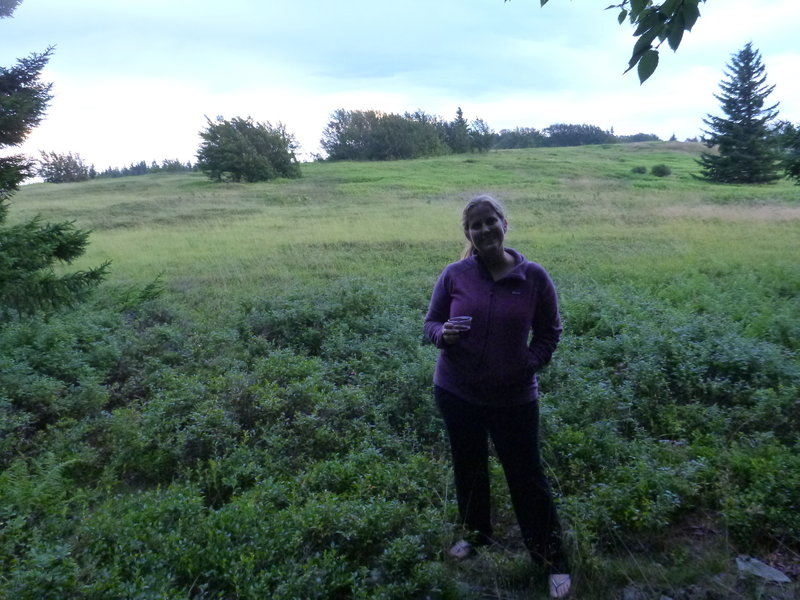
264	427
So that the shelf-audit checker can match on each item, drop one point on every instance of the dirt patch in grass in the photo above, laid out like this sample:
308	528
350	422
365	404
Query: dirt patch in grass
711	212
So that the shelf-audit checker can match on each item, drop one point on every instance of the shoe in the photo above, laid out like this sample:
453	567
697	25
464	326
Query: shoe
460	550
560	584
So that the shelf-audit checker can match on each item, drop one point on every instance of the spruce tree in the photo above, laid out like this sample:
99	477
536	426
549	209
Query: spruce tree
744	138
458	134
29	251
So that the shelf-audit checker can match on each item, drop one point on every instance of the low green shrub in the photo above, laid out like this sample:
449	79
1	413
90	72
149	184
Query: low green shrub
279	458
759	499
660	170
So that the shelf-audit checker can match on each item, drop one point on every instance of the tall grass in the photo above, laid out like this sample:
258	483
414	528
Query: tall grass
577	209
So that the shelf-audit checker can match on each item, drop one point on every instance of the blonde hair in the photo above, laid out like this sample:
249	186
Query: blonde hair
477	201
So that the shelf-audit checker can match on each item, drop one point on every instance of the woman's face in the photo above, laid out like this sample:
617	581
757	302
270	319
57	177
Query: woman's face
485	229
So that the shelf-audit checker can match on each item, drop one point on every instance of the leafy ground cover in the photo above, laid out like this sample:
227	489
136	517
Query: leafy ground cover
264	428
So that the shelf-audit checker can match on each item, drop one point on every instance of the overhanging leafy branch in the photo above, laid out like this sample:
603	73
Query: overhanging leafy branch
654	23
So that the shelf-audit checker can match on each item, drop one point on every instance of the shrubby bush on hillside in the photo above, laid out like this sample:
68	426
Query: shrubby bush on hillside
673	397
146	452
295	447
660	170
247	151
63	168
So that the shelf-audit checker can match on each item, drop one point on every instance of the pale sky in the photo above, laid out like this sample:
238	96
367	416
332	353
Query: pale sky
134	79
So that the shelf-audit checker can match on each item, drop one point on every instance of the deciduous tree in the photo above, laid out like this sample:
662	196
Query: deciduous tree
372	135
347	134
790	144
520	137
565	134
428	132
62	168
246	150
481	135
744	138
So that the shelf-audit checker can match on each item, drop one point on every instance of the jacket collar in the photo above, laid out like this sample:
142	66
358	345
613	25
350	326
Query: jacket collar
517	272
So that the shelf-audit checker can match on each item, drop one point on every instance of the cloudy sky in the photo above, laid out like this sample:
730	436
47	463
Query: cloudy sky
134	79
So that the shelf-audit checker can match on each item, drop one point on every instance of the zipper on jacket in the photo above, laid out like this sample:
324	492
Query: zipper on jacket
489	324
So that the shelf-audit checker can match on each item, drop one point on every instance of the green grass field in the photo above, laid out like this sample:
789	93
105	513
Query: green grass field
579	211
264	428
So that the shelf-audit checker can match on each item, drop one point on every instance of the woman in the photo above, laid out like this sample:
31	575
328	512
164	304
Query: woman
485	382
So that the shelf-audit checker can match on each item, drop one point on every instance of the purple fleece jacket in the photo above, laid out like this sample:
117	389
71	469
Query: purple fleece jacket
494	363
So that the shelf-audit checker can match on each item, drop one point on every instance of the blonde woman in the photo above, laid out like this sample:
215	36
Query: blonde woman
494	316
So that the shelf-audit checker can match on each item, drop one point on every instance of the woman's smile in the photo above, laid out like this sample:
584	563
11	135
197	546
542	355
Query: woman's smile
485	229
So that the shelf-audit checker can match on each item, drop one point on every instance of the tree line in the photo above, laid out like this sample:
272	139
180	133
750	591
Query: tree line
372	135
241	149
564	134
747	145
170	165
55	167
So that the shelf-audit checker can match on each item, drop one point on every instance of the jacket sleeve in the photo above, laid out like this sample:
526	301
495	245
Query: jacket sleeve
438	311
546	323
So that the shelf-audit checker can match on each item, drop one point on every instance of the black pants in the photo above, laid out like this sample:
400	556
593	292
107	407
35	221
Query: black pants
515	434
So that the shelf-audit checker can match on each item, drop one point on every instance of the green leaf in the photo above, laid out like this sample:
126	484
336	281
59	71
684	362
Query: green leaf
670	6
690	14
637	6
648	21
622	15
647	64
676	27
644	42
642	45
